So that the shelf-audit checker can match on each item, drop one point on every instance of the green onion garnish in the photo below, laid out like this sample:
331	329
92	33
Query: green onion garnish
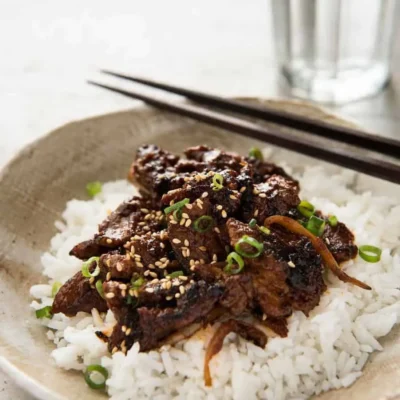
248	240
332	220
44	312
217	182
316	225
305	208
93	188
177	214
176	206
255	152
86	265
55	288
99	287
370	253
253	223
264	230
137	283
176	274
203	224
96	370
232	259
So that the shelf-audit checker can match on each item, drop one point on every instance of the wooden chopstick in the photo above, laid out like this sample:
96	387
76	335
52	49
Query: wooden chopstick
340	156
342	134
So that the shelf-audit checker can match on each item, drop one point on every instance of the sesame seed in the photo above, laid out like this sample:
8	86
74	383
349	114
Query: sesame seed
110	295
189	206
139	264
123	328
255	191
232	197
264	317
176	282
203	248
262	195
224	214
168	285
184	215
186	242
188	223
171	202
122	286
193	267
133	250
108	276
242	189
136	293
216	229
215	258
162	245
142	223
202	261
109	241
182	289
119	266
219	207
149	290
128	331
144	210
114	350
191	262
204	195
327	241
176	241
91	280
256	213
183	278
187	252
153	275
169	298
177	295
182	222
146	273
108	263
291	264
123	293
172	221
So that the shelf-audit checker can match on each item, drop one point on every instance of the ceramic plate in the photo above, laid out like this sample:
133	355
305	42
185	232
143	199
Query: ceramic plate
34	188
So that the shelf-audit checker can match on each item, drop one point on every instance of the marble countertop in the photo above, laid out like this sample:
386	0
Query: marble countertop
49	49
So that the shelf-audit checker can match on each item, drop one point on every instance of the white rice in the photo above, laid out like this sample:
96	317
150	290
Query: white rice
325	351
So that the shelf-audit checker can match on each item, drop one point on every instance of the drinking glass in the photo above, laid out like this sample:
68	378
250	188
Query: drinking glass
334	51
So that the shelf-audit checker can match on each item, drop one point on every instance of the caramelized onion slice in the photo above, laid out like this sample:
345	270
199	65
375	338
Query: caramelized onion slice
215	346
327	257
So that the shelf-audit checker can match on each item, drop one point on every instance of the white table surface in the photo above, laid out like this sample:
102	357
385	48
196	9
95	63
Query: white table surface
49	48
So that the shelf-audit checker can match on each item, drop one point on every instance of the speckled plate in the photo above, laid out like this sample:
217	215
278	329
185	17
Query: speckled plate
34	188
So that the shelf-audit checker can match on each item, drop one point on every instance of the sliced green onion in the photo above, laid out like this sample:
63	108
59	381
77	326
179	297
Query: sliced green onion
305	208
176	206
86	265
99	287
44	312
232	260
203	224
93	188
255	152
264	230
138	283
253	223
316	225
217	182
370	253
248	240
96	369
176	274
55	288
332	220
177	214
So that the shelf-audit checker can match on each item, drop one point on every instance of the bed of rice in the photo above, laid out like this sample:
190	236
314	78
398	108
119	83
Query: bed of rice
324	351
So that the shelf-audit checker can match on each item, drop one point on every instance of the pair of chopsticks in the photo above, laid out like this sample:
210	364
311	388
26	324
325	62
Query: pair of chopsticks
344	157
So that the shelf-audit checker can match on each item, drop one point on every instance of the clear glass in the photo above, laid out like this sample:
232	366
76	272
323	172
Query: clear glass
334	51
